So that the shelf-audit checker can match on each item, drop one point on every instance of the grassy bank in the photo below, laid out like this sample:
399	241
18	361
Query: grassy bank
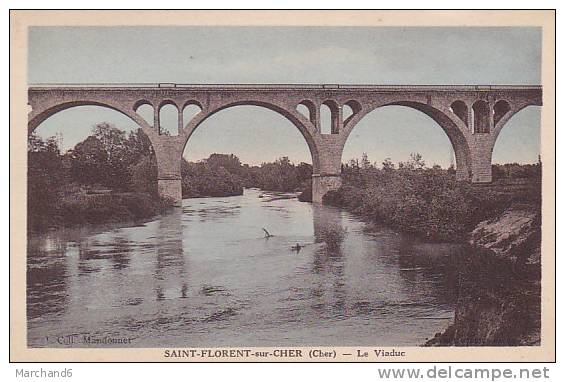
82	208
113	207
423	201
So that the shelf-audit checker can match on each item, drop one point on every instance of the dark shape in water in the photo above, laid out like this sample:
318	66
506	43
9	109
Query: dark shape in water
267	234
297	247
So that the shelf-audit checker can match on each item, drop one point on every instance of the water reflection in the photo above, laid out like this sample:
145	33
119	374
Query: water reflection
117	251
431	267
46	273
170	266
328	263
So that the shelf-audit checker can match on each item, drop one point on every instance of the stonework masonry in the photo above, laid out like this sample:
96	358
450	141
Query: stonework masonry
472	116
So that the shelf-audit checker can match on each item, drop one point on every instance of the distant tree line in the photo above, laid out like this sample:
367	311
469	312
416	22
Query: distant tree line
224	175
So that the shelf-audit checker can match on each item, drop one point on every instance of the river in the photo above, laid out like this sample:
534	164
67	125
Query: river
204	275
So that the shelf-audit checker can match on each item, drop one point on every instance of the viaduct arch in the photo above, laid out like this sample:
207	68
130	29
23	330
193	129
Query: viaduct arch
472	117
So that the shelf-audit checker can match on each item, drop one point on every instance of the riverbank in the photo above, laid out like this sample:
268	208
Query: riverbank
499	291
83	208
429	203
499	284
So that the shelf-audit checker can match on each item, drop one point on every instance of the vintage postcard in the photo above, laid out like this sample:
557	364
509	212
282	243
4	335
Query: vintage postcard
247	186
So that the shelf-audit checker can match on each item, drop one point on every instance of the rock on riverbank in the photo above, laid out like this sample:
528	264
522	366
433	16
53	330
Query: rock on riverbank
499	292
515	235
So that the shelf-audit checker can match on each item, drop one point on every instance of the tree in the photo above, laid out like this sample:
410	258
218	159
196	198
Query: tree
89	162
202	179
138	146
144	175
109	156
230	162
365	163
304	171
388	165
114	142
36	144
45	177
416	161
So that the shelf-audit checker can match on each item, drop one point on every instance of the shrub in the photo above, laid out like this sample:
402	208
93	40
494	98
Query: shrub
104	208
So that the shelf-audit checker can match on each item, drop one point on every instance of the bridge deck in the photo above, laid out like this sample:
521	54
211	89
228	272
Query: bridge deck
352	87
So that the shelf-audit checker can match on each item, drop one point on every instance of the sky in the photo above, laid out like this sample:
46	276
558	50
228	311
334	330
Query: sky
314	55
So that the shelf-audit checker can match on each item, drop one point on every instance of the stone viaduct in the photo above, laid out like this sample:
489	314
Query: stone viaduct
471	116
